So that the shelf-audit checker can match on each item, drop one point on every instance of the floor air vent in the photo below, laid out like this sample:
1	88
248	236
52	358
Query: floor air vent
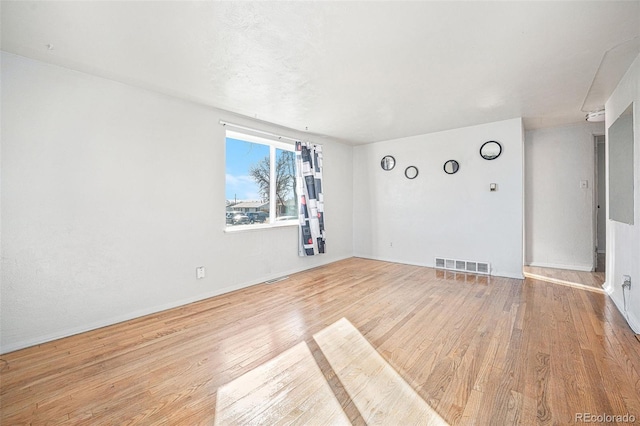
275	280
463	265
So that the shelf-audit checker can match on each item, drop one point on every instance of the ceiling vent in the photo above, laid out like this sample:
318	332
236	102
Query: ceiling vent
471	266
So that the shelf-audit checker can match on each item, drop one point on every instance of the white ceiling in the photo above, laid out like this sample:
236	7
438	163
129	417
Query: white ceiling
357	71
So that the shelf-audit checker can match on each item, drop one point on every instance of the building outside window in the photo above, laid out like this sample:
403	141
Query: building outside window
260	181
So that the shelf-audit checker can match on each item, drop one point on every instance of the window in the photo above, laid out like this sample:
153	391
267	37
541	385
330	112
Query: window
260	181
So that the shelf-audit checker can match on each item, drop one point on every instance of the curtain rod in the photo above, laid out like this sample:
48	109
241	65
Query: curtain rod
273	135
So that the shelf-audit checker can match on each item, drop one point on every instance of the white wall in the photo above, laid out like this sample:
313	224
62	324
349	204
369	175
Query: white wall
623	241
454	216
113	195
559	222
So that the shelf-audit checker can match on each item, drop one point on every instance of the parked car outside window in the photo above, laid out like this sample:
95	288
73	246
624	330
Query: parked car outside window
237	218
258	217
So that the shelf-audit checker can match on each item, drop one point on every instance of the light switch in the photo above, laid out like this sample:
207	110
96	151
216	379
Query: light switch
584	184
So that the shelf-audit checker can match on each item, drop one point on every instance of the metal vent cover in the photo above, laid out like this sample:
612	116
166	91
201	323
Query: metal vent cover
483	268
276	280
472	266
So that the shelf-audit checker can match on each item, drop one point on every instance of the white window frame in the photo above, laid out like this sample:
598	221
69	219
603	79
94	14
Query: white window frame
273	145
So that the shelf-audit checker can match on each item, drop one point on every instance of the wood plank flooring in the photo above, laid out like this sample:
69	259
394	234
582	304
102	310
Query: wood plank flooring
475	350
590	281
579	279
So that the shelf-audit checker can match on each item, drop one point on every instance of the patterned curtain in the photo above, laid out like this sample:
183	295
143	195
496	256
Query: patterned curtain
311	239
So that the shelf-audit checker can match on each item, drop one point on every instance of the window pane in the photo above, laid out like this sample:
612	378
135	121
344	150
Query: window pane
286	198
247	182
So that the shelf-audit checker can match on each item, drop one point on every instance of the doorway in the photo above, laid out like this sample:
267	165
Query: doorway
600	203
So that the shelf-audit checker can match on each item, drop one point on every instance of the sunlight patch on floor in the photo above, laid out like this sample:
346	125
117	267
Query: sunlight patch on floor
292	389
377	390
289	389
563	282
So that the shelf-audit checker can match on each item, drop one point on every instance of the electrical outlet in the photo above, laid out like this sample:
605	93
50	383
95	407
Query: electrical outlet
200	272
626	281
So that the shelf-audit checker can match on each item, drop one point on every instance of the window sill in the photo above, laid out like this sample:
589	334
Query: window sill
244	228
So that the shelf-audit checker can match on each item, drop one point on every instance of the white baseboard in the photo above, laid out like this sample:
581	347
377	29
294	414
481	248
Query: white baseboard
112	320
14	346
390	260
632	320
585	268
634	323
514	275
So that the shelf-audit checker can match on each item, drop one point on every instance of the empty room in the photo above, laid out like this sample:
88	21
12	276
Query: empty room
320	212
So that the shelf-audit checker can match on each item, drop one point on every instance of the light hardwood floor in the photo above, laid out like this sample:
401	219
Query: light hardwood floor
358	341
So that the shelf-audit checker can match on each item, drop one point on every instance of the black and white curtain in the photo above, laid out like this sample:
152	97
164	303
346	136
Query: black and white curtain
311	239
